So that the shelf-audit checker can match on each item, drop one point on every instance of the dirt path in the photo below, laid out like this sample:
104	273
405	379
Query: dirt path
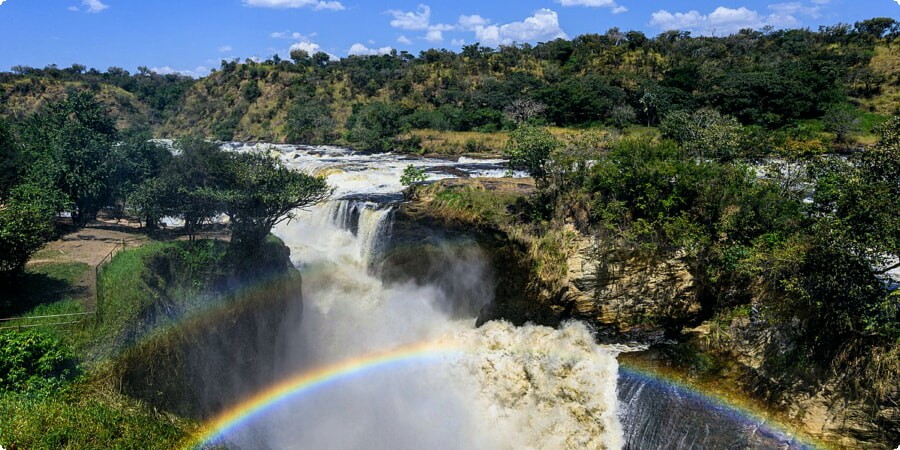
90	245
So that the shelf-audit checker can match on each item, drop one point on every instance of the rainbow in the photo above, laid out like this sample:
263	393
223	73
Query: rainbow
765	424
300	384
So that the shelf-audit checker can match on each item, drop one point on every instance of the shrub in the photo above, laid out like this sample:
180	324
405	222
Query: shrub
412	175
30	361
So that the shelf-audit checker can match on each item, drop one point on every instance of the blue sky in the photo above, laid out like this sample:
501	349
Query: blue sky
192	36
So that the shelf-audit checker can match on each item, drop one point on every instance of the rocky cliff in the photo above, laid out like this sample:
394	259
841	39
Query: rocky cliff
552	274
543	276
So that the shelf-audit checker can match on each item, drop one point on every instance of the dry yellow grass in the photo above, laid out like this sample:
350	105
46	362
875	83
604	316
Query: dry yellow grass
461	142
886	63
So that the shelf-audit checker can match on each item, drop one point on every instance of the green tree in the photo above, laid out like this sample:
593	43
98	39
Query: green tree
843	121
12	160
704	133
259	192
191	184
529	148
31	361
375	126
135	159
70	145
26	223
310	122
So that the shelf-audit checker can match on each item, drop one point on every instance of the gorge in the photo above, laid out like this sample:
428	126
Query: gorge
397	361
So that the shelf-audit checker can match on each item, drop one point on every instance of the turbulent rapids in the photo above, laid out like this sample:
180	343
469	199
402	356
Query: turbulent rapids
497	386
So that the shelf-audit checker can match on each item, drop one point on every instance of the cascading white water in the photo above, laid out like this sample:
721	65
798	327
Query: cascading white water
506	387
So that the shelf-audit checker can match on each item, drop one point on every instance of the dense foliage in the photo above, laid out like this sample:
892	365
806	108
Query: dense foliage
807	241
34	362
770	78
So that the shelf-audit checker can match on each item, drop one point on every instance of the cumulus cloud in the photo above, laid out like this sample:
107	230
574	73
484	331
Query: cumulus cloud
543	25
1	1
616	8
404	40
419	20
90	6
307	46
411	20
472	22
362	50
316	5
434	36
199	71
310	47
291	35
730	20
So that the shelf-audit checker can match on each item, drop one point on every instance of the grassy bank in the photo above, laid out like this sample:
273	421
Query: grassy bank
85	408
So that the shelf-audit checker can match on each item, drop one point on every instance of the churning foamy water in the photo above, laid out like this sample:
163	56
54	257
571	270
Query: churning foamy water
502	387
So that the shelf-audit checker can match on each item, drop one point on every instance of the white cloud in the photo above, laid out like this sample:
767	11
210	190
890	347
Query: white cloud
199	71
825	2
73	8
458	42
730	20
543	25
360	49
292	35
411	20
434	36
472	22
616	8
404	40
225	49
93	6
308	46
792	8
316	5
1	1
419	20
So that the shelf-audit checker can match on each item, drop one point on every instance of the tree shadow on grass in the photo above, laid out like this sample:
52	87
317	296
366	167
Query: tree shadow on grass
41	285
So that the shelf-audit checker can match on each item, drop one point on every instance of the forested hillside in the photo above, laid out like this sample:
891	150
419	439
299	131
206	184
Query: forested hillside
841	79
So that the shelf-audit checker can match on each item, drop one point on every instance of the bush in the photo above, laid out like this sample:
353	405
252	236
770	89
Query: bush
529	148
412	175
30	361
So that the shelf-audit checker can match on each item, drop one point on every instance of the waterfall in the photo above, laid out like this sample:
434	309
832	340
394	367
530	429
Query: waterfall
502	387
367	221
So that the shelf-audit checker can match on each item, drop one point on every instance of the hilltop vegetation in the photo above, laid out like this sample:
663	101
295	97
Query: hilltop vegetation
785	80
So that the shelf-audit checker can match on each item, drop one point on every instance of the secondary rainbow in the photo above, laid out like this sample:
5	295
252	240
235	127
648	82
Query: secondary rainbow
268	399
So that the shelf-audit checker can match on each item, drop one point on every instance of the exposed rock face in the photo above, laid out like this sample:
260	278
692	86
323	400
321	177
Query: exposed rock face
634	292
624	296
820	401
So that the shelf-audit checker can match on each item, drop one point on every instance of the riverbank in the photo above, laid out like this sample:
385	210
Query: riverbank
129	376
